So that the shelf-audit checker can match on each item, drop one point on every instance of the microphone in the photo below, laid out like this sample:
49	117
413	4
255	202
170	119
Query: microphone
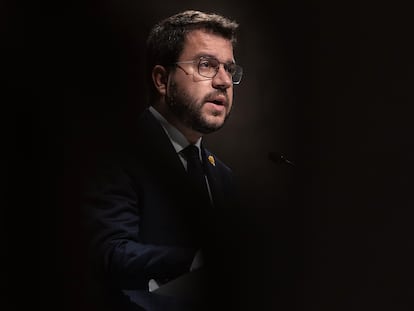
278	158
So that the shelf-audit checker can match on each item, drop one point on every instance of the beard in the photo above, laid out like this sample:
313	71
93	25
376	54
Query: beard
189	110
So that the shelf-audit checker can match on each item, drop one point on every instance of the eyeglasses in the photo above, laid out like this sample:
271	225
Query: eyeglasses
209	66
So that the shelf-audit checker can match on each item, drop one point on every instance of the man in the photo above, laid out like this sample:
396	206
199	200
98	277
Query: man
149	214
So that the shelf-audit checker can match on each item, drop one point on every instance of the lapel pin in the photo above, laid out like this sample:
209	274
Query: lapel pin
211	160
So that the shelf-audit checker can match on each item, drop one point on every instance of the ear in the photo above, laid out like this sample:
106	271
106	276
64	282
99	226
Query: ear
160	79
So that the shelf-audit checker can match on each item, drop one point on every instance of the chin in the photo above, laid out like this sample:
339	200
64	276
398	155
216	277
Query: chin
215	120
215	125
209	124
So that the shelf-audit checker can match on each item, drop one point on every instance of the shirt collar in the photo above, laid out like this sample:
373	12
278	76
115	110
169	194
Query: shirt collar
177	138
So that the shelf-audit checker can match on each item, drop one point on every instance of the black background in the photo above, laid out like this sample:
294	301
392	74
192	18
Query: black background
327	84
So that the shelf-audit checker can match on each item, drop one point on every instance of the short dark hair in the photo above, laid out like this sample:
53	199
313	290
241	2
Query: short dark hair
166	39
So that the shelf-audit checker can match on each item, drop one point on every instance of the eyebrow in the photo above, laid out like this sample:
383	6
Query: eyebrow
197	56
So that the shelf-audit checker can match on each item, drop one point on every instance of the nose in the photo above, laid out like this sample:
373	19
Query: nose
223	79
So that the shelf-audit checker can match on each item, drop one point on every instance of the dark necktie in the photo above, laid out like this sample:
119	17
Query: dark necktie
195	171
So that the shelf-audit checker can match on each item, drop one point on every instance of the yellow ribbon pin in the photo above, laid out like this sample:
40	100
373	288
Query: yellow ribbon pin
211	160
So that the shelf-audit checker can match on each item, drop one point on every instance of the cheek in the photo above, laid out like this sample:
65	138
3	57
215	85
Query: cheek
197	94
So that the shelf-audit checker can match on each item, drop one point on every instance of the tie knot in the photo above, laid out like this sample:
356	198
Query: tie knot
191	152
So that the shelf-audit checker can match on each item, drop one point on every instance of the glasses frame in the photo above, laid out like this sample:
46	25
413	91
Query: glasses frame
238	69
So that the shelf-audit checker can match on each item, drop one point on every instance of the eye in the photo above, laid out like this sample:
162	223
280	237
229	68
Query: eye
205	63
231	68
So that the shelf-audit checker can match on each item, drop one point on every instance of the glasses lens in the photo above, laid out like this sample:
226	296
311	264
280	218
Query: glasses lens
237	74
208	67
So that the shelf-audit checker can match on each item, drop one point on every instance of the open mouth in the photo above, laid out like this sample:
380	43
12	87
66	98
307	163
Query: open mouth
217	102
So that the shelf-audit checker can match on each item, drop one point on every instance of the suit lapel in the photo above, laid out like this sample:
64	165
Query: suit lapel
215	183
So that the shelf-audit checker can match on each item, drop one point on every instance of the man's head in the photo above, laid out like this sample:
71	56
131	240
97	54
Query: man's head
191	70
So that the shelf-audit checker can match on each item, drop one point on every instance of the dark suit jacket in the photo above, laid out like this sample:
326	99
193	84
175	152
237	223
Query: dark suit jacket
145	220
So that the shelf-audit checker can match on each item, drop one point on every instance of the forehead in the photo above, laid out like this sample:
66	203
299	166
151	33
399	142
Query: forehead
202	42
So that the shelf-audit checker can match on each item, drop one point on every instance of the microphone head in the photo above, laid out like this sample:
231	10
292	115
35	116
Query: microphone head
278	158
